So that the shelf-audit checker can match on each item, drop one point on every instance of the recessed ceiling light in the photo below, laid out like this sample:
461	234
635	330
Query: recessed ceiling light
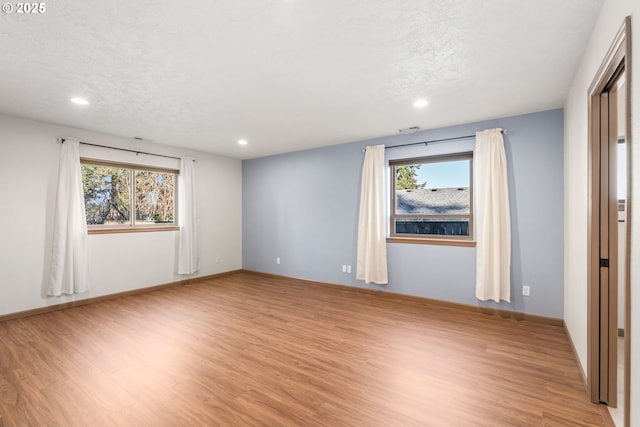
79	101
420	103
242	142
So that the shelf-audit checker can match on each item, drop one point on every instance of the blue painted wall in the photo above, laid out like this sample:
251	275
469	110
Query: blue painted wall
303	207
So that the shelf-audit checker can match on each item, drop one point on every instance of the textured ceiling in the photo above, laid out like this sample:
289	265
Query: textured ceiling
287	74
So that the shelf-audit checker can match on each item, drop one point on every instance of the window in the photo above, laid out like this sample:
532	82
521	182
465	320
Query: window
119	197
432	199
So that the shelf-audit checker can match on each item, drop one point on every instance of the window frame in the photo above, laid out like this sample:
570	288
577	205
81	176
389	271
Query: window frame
435	239
131	226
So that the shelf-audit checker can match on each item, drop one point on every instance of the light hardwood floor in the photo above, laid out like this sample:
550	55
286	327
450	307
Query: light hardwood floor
249	350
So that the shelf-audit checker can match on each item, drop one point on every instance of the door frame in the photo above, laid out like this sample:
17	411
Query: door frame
619	55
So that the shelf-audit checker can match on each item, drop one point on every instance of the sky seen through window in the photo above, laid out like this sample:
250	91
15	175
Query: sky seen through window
444	174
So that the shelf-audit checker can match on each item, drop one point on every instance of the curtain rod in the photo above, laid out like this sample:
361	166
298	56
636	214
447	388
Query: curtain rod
435	141
61	140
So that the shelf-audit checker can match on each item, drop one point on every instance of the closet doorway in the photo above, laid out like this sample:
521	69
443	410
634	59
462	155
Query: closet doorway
608	243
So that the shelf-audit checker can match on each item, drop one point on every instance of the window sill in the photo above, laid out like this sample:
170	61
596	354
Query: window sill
432	241
113	230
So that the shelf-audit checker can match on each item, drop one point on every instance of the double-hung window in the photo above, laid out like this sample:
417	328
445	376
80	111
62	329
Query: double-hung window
432	199
121	197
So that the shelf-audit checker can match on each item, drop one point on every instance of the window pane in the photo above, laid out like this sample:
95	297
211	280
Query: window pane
433	197
154	197
440	188
106	194
433	226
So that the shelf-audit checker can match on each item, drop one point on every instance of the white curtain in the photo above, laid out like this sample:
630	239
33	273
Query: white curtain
188	249
372	236
68	273
493	221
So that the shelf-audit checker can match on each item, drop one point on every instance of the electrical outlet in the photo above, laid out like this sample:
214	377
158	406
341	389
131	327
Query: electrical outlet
348	269
277	260
344	268
526	291
217	260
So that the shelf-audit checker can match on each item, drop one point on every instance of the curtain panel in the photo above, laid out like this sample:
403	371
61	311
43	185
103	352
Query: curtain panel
493	221
188	247
68	272
372	235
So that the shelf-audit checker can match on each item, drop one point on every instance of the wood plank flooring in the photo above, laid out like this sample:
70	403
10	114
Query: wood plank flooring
251	351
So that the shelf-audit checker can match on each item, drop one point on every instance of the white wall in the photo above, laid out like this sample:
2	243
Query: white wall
117	262
575	186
